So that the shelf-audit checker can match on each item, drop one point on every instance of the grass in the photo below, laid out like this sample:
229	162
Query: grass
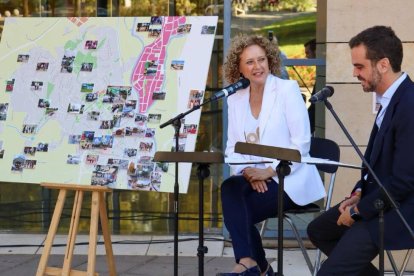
292	33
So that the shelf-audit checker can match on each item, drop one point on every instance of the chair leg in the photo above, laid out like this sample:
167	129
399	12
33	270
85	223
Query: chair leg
317	265
263	227
390	257
393	264
300	242
405	262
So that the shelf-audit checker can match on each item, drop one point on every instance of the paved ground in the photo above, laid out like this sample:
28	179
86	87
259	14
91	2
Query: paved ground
22	264
134	255
137	255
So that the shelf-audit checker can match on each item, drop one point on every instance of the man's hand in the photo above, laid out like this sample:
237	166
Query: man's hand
345	217
350	202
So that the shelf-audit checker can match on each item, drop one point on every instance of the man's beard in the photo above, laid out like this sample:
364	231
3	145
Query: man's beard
371	86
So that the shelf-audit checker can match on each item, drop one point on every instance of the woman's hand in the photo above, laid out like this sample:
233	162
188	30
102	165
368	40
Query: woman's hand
258	177
259	186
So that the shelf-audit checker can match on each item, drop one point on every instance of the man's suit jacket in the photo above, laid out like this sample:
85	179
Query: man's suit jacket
391	155
283	122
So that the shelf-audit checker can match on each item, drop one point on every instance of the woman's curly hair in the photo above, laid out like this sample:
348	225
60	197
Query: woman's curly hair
241	42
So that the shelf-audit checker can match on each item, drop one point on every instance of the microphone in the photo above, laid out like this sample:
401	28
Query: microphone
322	94
231	89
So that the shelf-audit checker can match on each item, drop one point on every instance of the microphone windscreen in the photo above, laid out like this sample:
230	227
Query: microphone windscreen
331	90
245	83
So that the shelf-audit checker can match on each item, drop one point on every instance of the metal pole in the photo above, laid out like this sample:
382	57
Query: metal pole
171	8
202	173
282	170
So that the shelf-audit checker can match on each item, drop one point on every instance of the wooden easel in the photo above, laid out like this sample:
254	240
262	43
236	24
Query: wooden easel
98	210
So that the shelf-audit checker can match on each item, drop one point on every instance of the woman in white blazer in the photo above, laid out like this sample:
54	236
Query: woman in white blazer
271	112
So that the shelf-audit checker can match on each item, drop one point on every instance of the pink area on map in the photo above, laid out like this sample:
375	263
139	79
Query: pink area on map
78	21
147	80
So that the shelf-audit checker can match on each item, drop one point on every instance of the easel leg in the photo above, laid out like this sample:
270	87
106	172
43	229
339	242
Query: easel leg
52	232
93	233
97	209
106	235
73	230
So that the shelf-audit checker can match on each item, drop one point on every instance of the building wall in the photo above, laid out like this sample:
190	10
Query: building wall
344	19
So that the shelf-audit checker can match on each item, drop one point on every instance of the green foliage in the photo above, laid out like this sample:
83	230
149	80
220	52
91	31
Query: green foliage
158	7
304	75
292	34
293	31
297	5
145	8
282	5
184	7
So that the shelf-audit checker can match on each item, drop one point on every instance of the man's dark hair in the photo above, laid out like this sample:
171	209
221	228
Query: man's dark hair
312	44
381	42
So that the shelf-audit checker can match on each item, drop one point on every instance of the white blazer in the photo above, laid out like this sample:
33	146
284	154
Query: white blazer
283	122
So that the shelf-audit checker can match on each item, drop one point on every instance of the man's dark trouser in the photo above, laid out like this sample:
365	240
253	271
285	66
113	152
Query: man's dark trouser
350	250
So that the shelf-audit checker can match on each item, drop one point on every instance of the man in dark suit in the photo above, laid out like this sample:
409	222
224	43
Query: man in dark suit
348	232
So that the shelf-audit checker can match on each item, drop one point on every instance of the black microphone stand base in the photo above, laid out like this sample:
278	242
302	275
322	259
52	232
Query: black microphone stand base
380	206
203	172
177	126
285	157
203	159
282	171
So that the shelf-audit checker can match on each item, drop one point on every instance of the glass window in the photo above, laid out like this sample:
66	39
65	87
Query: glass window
292	23
132	212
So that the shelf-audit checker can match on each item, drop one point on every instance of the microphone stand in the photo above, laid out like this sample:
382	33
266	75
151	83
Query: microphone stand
379	203
176	123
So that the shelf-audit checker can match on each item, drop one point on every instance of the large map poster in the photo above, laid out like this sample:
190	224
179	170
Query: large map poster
81	99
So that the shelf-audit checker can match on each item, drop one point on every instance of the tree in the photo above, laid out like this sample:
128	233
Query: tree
145	8
26	8
184	7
